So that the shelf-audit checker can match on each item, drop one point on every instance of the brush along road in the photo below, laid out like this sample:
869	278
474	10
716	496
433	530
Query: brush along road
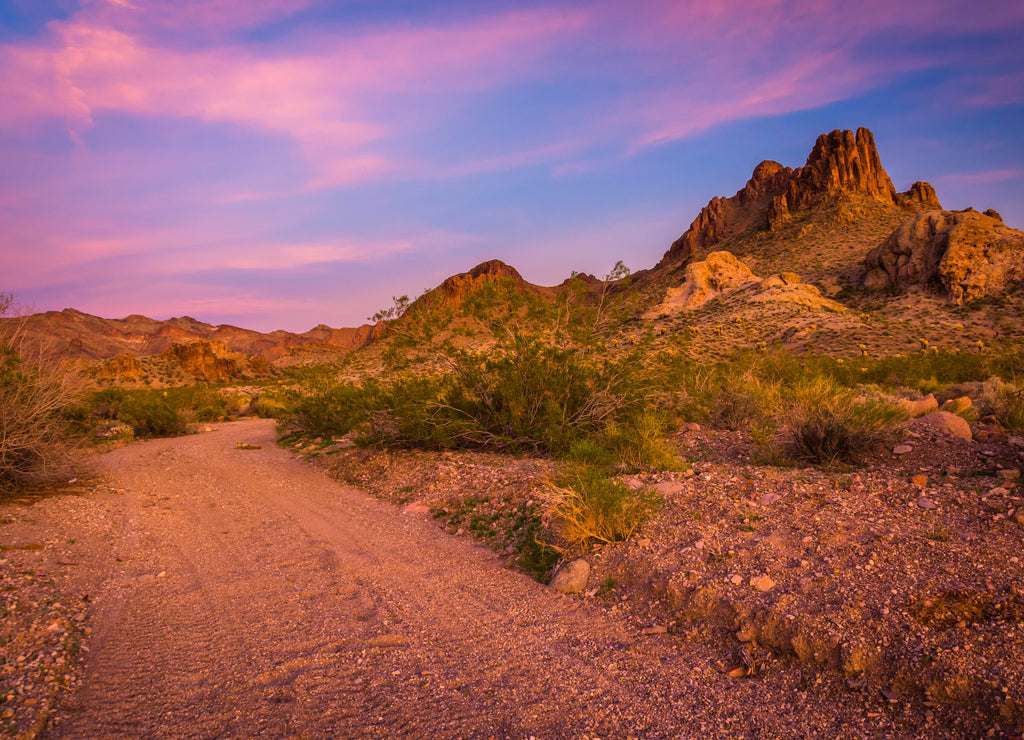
240	593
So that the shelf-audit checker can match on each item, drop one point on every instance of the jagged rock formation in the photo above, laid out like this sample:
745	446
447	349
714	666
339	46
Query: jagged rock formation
723	275
123	368
841	164
962	255
76	335
211	361
724	217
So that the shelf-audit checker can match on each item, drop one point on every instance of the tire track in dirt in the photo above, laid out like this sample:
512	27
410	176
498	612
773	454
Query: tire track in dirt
257	597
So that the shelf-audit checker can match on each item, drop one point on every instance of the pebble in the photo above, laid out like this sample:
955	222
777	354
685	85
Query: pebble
902	449
768	499
1010	474
762	583
657	629
926	503
919	480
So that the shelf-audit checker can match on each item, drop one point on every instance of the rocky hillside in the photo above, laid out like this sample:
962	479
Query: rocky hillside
880	272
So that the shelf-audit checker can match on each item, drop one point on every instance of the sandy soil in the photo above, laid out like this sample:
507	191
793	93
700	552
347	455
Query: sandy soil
242	593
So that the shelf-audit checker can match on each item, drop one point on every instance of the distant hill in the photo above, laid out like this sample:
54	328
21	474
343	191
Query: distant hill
76	335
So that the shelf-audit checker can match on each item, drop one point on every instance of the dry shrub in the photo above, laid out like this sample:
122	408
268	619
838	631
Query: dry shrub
37	397
1003	400
824	422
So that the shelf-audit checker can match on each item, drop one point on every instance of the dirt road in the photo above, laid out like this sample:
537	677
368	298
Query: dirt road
242	593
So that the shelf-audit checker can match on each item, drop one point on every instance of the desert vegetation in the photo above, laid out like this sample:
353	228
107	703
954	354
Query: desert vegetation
39	403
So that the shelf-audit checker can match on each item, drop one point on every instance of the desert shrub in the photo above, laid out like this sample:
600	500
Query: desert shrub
587	507
38	403
589	451
160	413
744	399
639	443
329	407
273	406
1004	401
824	422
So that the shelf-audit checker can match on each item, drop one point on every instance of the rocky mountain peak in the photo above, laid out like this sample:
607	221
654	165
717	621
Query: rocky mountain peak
841	163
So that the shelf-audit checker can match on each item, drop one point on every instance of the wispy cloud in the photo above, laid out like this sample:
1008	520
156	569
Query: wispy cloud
980	178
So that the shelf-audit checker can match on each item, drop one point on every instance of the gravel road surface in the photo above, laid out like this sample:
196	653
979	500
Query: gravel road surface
241	593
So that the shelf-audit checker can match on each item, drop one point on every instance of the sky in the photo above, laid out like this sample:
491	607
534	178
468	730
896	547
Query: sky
278	164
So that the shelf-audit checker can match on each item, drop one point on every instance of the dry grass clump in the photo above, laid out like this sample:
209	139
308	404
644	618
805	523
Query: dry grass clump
824	422
589	507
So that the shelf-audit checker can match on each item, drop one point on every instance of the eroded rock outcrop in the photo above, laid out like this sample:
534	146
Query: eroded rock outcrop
963	255
207	360
722	274
842	163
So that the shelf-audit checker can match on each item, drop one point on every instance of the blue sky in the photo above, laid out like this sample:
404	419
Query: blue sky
283	163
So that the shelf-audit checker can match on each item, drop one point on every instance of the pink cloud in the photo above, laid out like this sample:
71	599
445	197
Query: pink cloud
193	16
338	98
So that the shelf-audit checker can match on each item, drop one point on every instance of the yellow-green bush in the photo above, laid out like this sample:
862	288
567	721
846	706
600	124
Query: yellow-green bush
588	507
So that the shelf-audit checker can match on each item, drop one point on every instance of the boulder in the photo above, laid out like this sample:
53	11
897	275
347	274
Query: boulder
957	405
919	406
962	255
572	577
948	423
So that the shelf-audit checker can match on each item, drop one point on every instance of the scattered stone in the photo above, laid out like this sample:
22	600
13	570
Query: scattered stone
692	427
889	695
768	499
670	487
657	629
416	507
902	449
1016	441
572	577
1010	474
999	491
762	583
919	480
737	580
926	503
738	672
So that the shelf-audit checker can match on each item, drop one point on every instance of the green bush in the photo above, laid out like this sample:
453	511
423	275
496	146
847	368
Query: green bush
330	408
161	413
1003	400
